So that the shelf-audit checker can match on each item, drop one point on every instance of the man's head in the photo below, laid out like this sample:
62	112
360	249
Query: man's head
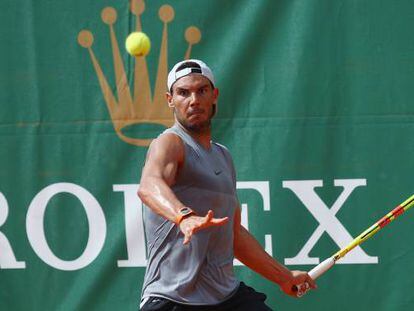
192	94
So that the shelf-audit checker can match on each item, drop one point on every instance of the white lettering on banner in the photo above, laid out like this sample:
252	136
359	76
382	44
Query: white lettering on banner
134	229
7	258
262	187
304	190
36	233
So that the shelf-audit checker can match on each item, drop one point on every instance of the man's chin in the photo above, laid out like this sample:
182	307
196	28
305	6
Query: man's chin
198	127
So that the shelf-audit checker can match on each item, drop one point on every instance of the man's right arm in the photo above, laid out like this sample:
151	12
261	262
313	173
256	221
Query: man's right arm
164	158
165	155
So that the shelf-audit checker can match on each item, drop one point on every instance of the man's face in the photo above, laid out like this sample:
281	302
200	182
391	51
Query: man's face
193	98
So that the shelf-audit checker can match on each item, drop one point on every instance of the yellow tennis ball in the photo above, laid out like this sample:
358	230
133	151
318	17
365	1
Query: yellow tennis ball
138	44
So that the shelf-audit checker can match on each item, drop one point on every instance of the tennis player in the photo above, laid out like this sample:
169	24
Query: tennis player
192	214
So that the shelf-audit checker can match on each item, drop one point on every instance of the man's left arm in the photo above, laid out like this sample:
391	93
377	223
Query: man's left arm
248	250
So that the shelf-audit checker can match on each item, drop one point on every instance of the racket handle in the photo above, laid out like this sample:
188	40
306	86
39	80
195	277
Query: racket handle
321	268
316	272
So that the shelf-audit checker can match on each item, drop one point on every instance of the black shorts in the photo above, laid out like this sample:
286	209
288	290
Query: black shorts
245	299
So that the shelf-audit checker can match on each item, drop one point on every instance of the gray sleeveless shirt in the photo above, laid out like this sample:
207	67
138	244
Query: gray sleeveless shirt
201	272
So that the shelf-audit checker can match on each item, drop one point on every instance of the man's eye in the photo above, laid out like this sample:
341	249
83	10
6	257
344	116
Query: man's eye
182	92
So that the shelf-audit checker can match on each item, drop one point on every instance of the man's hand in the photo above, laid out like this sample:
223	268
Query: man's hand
194	223
298	277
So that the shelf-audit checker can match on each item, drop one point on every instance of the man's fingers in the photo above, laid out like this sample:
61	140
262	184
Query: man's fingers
209	216
219	221
192	224
187	236
311	282
210	220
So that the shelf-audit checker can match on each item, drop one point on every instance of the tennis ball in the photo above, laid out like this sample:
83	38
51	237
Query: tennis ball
137	44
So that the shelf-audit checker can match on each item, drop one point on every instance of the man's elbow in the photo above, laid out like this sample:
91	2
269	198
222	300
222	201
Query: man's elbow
143	193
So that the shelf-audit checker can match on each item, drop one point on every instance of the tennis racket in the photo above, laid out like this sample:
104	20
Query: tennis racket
330	262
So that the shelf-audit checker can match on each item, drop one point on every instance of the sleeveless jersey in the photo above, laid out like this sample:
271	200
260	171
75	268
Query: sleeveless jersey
201	272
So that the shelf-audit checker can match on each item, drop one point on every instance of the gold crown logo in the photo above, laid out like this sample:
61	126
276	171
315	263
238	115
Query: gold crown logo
140	107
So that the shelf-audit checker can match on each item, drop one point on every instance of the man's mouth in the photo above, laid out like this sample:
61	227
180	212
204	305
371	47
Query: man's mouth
195	112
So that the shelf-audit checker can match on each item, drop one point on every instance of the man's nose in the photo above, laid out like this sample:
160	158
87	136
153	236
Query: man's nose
194	98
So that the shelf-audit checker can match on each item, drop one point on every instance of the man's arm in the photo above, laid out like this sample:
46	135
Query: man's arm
252	254
164	158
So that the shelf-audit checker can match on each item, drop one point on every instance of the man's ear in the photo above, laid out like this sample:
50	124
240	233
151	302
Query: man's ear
169	98
216	94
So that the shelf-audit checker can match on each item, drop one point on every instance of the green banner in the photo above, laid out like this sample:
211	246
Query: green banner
315	106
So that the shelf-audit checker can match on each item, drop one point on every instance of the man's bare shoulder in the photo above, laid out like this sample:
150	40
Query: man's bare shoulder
167	145
168	141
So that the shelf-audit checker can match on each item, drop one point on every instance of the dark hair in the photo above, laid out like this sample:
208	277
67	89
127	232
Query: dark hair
188	65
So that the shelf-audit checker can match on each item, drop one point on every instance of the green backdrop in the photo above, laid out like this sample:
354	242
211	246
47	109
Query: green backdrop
316	106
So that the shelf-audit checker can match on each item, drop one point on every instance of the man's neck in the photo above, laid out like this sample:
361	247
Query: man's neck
202	137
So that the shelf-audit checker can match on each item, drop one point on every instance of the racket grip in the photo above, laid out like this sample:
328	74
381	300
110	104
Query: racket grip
316	272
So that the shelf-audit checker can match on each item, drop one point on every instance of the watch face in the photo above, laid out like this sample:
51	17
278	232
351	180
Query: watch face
185	211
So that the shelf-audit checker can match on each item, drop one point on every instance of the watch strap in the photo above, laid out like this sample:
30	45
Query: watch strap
183	213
